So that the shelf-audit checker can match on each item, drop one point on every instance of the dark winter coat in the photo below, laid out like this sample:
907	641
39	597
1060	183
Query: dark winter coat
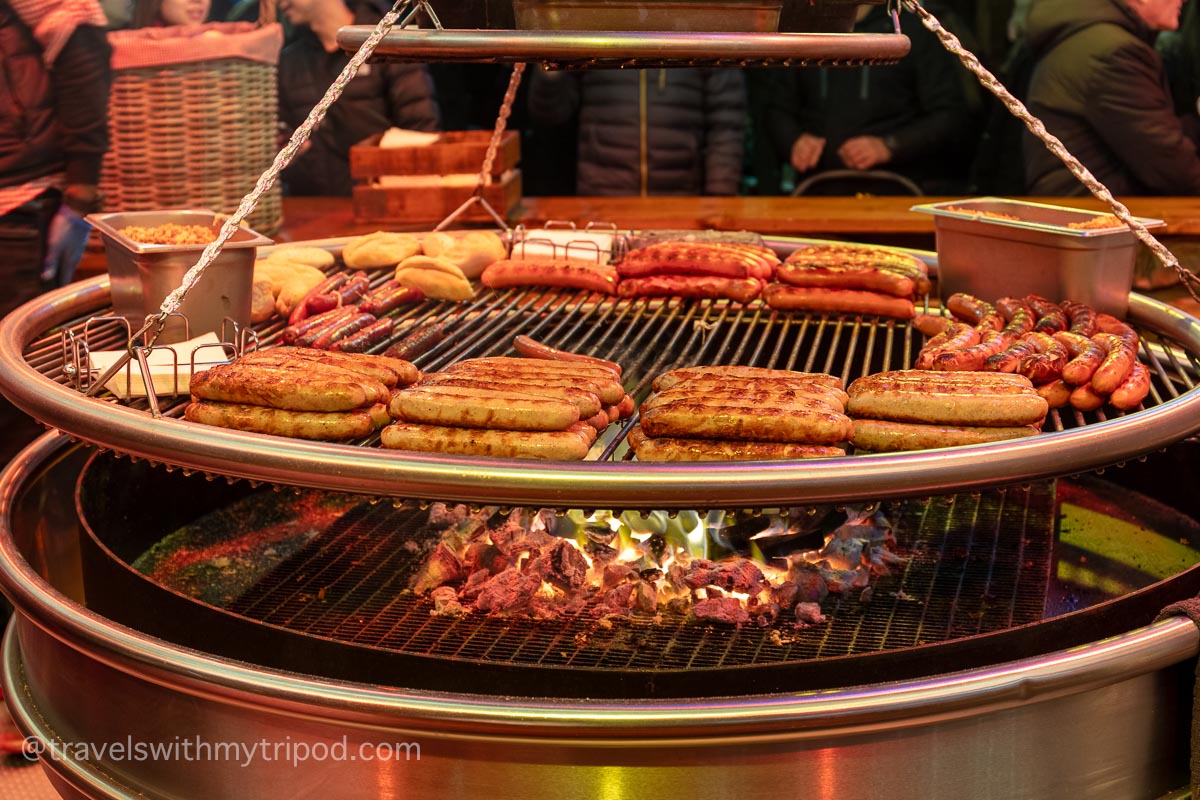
649	132
52	120
920	107
1099	86
381	96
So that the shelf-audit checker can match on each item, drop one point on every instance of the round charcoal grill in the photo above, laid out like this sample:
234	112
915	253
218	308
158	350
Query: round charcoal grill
963	666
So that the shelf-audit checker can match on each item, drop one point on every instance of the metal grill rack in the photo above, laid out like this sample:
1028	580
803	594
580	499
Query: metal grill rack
977	565
647	336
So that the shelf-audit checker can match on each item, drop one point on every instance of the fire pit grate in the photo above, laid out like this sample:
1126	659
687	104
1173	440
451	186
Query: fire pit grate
975	564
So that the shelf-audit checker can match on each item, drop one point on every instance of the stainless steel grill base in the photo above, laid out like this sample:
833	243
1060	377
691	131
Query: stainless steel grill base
1105	720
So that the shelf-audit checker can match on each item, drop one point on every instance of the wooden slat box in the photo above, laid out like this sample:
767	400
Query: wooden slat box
456	153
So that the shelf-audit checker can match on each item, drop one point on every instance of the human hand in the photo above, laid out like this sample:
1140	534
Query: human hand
65	243
864	152
806	151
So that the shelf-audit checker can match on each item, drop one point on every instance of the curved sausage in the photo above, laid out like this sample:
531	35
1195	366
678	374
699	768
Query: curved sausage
1057	393
957	336
972	358
967	307
931	324
1086	356
534	349
1133	389
1047	364
1085	398
1116	365
1009	359
1082	317
1050	317
1107	323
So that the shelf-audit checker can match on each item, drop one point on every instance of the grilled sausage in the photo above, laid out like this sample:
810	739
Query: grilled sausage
1107	323
968	308
681	449
1086	356
389	297
837	301
285	388
568	445
717	405
706	287
1010	358
764	390
695	420
881	258
1047	363
1133	389
888	436
1116	365
340	330
684	259
971	359
308	329
1085	398
1057	393
470	407
306	308
530	348
931	325
361	341
863	278
1050	318
1082	318
570	274
976	399
321	426
586	402
734	372
388	371
957	336
564	374
418	340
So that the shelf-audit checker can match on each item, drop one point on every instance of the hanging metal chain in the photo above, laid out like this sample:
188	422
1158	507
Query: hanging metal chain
284	157
990	82
510	94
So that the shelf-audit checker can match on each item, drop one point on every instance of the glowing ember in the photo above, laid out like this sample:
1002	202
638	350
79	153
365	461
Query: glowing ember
543	565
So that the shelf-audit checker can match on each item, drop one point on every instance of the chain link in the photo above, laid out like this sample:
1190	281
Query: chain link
989	81
284	157
510	94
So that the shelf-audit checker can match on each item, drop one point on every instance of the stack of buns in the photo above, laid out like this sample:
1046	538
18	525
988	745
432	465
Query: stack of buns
284	277
741	414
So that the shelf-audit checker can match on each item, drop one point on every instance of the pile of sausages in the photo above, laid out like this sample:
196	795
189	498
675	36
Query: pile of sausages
509	408
1073	354
741	414
343	313
835	278
921	409
849	279
301	393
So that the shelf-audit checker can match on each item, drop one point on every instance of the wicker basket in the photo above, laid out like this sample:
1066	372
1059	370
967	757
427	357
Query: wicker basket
193	118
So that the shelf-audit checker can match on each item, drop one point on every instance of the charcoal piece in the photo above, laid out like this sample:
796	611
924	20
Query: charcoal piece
644	598
739	575
482	555
566	567
764	615
811	584
445	602
808	614
507	592
442	567
615	574
474	585
725	610
618	601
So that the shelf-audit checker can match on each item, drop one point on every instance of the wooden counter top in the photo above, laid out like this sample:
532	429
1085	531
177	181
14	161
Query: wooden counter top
320	217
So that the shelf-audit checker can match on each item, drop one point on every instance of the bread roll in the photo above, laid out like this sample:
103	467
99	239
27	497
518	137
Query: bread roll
427	262
436	283
262	301
436	243
298	254
475	251
379	249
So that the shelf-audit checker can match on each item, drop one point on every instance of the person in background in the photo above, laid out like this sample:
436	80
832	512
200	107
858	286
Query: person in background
381	96
53	136
915	118
158	13
1099	86
648	132
1180	51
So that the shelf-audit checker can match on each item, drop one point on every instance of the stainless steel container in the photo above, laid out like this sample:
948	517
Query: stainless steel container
142	275
992	247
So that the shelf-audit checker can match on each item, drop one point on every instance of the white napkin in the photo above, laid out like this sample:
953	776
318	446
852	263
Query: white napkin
560	243
128	383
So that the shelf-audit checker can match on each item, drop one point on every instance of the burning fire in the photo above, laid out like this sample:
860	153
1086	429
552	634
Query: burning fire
720	568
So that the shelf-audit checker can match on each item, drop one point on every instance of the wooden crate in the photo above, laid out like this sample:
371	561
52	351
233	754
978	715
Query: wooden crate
456	153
